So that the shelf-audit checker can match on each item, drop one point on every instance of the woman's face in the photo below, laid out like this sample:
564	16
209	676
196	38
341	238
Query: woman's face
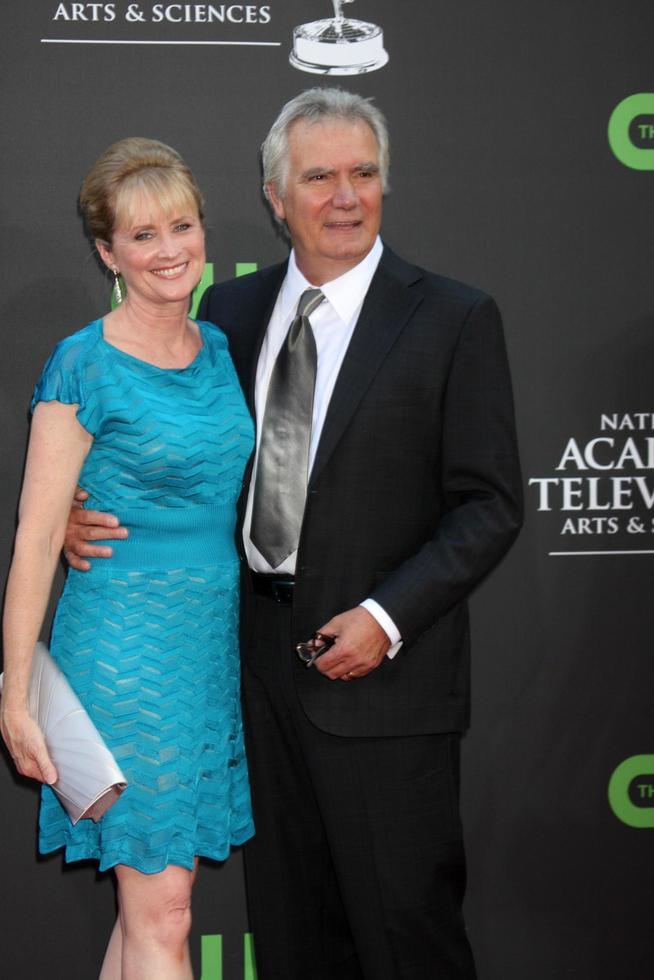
160	255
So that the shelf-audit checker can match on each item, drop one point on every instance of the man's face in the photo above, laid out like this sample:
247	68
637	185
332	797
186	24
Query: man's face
332	201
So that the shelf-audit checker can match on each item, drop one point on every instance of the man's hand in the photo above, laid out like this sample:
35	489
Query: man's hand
361	645
85	526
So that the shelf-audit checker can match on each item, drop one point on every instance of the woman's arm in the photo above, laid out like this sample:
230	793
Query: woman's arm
57	449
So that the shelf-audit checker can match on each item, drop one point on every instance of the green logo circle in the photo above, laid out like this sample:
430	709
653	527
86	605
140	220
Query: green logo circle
633	779
620	141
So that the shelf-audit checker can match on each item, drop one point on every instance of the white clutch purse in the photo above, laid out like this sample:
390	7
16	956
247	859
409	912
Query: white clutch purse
90	780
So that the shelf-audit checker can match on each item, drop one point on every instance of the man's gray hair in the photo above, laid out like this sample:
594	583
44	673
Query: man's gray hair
317	105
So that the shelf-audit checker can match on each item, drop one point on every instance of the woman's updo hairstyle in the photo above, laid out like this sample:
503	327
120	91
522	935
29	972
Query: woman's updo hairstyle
134	165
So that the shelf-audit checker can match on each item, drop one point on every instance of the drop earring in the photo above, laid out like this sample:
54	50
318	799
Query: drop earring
117	291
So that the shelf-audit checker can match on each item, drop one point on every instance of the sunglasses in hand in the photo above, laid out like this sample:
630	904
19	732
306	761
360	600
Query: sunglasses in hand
310	650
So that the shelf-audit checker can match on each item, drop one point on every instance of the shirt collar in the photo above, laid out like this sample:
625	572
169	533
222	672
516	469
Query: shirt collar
345	294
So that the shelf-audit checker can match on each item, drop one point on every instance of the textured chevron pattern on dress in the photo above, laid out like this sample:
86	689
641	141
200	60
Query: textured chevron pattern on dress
148	638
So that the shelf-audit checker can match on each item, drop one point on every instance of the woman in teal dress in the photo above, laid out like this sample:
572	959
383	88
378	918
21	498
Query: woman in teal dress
143	409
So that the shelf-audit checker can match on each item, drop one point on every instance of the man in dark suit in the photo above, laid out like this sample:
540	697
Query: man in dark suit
413	496
408	496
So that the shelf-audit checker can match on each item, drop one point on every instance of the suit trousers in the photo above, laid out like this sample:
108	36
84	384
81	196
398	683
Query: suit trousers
356	870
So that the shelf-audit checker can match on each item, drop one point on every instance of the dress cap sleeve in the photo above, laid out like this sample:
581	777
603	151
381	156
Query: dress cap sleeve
63	380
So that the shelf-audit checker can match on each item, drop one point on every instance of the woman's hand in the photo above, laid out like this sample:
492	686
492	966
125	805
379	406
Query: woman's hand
25	742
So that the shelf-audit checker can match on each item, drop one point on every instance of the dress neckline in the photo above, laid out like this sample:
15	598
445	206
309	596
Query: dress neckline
149	364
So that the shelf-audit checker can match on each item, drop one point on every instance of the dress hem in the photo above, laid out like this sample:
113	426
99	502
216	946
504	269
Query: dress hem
73	854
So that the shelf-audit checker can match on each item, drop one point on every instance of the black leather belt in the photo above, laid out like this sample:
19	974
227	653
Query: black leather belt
277	587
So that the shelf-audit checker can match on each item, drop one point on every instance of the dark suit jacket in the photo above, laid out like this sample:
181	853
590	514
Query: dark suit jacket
415	492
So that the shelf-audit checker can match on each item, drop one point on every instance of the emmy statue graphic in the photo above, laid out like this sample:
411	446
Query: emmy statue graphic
338	45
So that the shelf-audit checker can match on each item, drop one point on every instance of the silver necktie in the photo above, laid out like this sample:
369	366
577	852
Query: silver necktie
280	487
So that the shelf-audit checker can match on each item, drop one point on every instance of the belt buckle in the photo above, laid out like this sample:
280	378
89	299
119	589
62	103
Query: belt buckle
282	592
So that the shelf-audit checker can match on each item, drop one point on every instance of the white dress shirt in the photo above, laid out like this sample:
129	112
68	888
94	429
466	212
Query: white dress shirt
333	324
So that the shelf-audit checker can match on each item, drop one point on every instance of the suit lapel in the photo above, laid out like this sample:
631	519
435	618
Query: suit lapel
264	303
255	313
387	307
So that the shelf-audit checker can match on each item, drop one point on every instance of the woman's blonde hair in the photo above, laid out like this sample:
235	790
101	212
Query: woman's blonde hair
135	164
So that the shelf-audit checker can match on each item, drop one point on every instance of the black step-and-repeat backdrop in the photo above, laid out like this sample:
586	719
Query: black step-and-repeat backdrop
523	162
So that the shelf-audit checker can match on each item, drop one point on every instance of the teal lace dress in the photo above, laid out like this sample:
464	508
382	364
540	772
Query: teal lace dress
148	638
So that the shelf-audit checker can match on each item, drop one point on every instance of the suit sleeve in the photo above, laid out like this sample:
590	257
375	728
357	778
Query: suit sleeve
480	479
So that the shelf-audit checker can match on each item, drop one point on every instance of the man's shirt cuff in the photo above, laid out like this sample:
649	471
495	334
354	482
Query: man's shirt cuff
386	623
